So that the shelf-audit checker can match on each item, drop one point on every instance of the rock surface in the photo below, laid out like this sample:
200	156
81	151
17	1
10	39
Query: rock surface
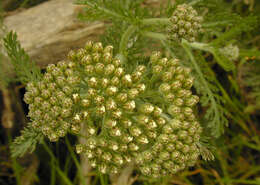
48	31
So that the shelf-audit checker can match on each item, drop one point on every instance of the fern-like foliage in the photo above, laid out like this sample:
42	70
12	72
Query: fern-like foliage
206	148
216	114
250	82
215	117
2	75
246	24
25	70
113	34
218	11
220	58
212	5
27	142
111	9
4	80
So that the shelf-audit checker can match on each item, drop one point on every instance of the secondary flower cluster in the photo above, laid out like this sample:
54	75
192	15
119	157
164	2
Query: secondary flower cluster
185	23
230	51
141	114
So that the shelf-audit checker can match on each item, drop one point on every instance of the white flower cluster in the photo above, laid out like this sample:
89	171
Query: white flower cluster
143	115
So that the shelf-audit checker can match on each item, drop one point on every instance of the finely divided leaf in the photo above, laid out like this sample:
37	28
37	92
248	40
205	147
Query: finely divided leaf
26	71
222	60
27	142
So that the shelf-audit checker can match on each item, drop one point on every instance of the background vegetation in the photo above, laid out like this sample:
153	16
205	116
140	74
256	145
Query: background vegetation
229	90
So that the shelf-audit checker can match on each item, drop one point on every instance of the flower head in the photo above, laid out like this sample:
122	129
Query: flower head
185	23
144	116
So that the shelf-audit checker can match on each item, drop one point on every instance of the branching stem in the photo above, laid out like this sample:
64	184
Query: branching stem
166	21
214	24
155	35
125	39
162	37
186	46
194	2
200	46
155	21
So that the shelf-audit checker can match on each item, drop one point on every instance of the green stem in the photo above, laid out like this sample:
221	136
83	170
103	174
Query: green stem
162	37
125	39
155	21
244	181
159	36
186	45
200	46
166	21
223	165
103	179
56	165
45	146
214	24
15	165
74	157
65	179
194	2
53	172
168	48
206	47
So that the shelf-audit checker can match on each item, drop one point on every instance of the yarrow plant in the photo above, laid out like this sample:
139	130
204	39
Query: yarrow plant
131	107
123	123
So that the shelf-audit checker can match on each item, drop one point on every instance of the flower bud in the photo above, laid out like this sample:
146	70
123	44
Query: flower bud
135	131
133	147
157	69
100	110
156	55
108	49
109	69
117	62
146	108
142	140
104	82
141	87
107	58
119	72
174	110
111	104
129	106
164	88
110	123
117	114
133	93
118	160
127	80
115	81
99	68
111	90
97	47
163	62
